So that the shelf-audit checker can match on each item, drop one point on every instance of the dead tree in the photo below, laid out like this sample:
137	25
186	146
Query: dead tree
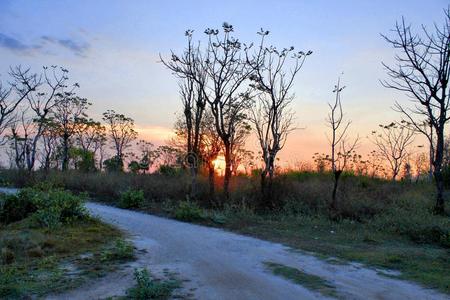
341	147
392	142
273	78
422	72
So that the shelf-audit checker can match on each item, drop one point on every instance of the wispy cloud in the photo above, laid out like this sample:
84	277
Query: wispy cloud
14	44
76	47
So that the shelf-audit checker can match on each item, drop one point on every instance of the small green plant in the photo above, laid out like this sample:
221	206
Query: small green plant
188	211
148	288
121	250
131	198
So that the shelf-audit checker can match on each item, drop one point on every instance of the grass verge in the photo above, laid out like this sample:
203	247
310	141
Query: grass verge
39	261
311	282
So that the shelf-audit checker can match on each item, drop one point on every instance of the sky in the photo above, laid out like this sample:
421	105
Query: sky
111	48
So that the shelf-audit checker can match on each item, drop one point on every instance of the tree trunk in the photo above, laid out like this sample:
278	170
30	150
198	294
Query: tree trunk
226	179
439	207
333	204
193	189
437	172
211	177
65	162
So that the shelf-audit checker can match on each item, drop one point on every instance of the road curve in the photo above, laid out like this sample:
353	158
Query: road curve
224	265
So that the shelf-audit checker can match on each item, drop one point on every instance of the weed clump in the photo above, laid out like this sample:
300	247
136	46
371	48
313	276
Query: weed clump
148	288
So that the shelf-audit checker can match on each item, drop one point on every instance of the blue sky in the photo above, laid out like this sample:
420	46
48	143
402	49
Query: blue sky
111	49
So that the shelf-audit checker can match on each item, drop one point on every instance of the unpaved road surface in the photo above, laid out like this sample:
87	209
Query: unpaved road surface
222	265
215	264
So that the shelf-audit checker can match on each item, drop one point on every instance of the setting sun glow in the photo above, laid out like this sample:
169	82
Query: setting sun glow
219	165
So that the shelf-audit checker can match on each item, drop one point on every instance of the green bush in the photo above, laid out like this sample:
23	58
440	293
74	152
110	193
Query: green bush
131	198
14	208
146	288
57	206
48	207
188	211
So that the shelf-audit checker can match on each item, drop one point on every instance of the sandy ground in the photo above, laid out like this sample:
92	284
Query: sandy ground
216	264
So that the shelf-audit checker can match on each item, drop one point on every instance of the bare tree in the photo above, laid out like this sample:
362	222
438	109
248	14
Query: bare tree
189	68
221	72
392	142
121	131
21	130
23	83
341	147
41	101
274	74
422	72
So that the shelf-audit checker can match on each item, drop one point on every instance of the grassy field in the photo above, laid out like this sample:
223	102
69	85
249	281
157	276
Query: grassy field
38	260
380	223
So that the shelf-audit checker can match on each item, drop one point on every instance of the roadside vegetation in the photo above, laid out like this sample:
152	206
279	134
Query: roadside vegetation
382	223
49	243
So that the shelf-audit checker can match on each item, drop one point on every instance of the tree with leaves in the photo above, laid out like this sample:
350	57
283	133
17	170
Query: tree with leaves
122	133
68	114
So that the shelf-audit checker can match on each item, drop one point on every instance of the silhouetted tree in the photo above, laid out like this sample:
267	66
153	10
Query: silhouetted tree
22	84
422	72
221	72
189	68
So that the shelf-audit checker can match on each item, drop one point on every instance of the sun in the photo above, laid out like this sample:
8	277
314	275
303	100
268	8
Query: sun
219	165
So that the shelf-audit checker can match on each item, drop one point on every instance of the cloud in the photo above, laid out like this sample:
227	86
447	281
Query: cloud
14	44
78	48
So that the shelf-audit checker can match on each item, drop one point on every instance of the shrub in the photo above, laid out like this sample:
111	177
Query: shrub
14	208
48	207
58	206
146	288
188	211
131	198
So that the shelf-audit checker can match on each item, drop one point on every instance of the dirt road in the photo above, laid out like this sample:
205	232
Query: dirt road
223	265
